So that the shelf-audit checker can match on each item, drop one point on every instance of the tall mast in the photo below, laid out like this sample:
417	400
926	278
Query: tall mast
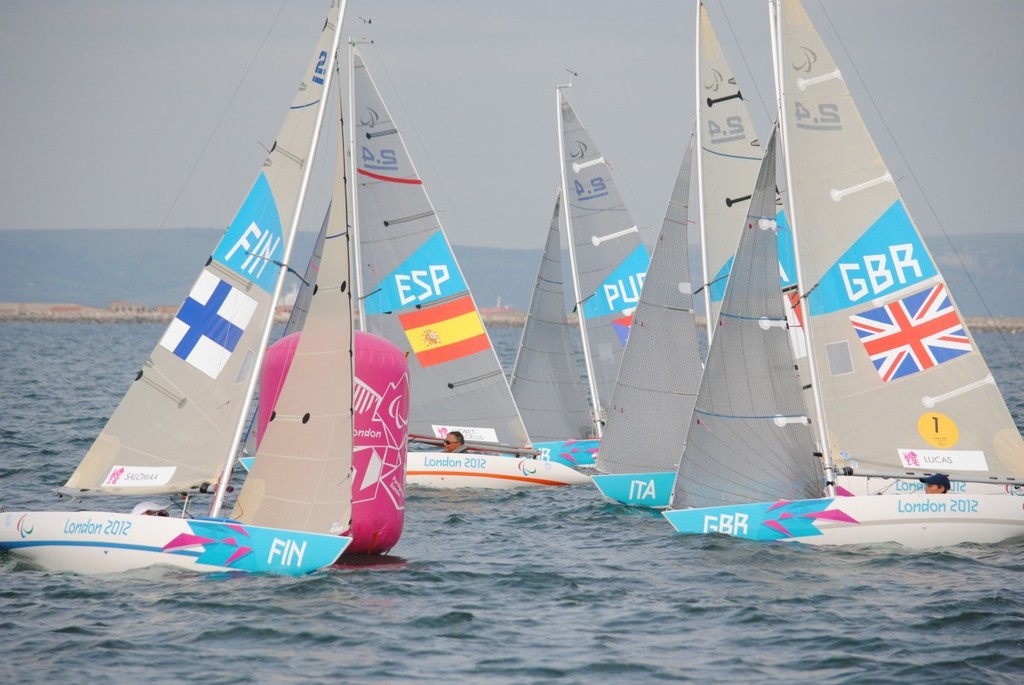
357	254
775	14
708	323
250	392
595	400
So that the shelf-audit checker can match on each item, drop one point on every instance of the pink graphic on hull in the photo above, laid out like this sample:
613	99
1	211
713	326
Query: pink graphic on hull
381	404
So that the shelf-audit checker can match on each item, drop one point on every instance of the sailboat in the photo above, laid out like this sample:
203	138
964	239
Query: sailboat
900	388
178	427
412	292
545	379
660	373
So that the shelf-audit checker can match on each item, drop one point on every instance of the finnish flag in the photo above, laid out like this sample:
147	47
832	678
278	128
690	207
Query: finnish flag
209	324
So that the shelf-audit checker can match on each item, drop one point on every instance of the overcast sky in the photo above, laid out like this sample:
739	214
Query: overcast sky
130	114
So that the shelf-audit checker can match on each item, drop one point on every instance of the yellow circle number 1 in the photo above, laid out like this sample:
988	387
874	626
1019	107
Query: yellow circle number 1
938	430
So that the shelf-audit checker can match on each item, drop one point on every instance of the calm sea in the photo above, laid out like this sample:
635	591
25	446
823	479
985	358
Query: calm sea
485	587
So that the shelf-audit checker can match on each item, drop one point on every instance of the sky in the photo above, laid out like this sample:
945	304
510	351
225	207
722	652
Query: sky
129	114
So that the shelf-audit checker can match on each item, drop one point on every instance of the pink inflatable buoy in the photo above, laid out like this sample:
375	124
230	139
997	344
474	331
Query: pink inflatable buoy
381	402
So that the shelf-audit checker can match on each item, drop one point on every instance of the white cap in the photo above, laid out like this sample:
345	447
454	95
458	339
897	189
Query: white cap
149	505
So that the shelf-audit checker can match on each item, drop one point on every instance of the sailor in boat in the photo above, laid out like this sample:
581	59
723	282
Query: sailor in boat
936	484
454	442
150	508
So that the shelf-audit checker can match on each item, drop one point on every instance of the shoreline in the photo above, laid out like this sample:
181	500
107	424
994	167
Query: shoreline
124	313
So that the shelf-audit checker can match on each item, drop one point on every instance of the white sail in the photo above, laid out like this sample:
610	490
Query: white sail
902	385
749	438
608	261
176	424
727	162
301	477
414	291
545	379
661	366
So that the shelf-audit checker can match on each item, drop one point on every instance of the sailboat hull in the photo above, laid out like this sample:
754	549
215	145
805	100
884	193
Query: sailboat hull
94	542
489	471
574	453
915	521
647	490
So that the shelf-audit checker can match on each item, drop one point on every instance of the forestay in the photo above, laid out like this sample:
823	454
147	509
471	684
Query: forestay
748	438
413	292
176	424
545	380
903	386
661	366
608	260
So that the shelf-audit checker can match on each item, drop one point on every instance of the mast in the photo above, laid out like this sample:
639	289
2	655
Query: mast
709	325
229	461
357	253
775	19
595	400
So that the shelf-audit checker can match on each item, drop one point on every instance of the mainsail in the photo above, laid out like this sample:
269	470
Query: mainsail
727	162
661	366
174	427
413	292
608	260
902	386
748	438
545	380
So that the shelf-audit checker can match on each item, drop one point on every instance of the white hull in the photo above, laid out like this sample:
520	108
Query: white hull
489	471
94	542
915	521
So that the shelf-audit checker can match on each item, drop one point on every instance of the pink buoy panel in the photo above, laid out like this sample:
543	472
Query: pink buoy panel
381	400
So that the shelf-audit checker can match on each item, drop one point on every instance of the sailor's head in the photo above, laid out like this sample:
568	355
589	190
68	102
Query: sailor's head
936	484
453	441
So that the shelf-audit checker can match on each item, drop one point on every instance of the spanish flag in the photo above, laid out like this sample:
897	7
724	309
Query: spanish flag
445	332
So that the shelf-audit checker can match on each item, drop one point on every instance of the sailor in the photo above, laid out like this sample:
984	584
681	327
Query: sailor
454	442
936	484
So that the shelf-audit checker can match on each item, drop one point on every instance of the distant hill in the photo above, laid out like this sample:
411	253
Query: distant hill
93	267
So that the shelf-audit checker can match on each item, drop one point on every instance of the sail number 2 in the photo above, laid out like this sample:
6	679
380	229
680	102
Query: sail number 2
824	118
597	188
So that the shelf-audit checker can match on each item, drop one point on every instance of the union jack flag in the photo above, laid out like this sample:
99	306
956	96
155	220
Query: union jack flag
918	332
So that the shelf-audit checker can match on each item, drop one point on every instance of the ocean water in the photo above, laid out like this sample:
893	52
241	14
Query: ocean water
545	586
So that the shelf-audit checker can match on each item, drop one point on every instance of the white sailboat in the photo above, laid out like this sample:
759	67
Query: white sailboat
413	293
900	389
177	429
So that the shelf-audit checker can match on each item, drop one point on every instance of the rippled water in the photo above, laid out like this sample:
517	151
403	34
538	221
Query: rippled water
486	587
